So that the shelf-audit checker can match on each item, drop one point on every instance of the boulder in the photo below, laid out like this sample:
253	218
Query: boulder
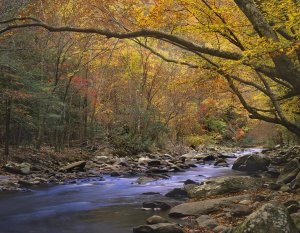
271	217
273	172
209	158
158	228
222	229
206	221
155	219
252	162
78	166
204	207
145	179
221	162
239	210
177	193
289	172
188	181
188	156
18	168
222	185
115	174
154	162
143	160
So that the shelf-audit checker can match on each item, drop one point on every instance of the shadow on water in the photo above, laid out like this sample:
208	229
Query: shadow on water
93	206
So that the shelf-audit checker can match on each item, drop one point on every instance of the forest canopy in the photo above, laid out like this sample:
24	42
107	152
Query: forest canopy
140	72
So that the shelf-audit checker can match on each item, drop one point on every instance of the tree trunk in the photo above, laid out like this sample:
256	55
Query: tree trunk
7	126
285	67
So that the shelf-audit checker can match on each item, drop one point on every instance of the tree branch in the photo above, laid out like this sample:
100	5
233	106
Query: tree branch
181	42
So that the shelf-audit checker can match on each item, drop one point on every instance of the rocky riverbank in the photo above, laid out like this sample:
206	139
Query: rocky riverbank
30	168
265	199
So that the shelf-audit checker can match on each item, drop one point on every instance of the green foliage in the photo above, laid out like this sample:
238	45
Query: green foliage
128	143
196	140
215	125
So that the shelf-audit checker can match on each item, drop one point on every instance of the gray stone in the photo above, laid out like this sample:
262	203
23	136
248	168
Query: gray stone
145	179
155	219
222	185
177	193
271	217
238	210
252	162
143	160
289	172
102	159
204	207
158	228
221	229
206	221
74	166
18	168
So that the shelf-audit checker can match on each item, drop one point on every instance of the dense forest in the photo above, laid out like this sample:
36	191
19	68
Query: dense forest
145	73
150	116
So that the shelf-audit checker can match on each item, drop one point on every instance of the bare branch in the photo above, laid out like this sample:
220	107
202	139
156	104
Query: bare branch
20	19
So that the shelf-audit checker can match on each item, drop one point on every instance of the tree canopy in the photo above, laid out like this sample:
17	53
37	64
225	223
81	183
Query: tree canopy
246	48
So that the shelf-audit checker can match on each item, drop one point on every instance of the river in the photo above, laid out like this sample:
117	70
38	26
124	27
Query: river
93	205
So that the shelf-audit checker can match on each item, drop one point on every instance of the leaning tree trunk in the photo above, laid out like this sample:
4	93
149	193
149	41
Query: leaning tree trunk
285	67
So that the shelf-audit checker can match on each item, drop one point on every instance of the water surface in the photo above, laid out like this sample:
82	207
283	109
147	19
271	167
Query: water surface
93	206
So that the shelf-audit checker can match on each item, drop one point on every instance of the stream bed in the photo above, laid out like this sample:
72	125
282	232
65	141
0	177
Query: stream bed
92	205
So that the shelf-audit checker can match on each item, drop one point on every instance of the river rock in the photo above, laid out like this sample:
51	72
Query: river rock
239	210
188	181
79	166
146	179
156	205
18	168
222	185
204	207
155	219
289	172
158	228
188	156
102	159
252	162
221	162
222	229
143	160
154	162
271	217
206	221
177	193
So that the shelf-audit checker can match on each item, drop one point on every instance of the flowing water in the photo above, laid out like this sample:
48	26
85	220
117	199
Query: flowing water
93	206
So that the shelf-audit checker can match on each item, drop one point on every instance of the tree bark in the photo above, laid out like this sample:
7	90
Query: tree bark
285	67
7	126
